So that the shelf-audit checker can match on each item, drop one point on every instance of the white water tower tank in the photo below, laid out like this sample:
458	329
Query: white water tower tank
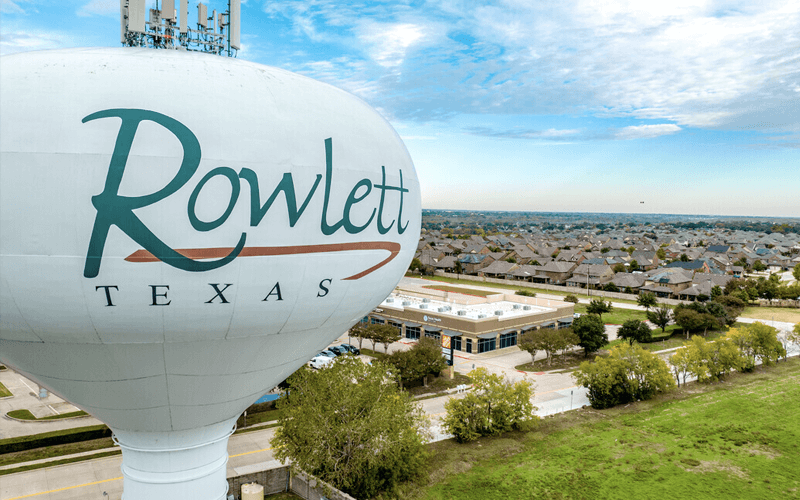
179	232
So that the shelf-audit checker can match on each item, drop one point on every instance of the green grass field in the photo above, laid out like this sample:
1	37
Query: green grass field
464	291
4	392
737	439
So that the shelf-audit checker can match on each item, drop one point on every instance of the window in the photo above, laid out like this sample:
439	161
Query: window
433	335
399	326
551	326
456	343
486	345
508	339
412	332
365	320
376	321
469	346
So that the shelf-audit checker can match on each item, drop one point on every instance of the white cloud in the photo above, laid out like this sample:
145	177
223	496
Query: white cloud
389	42
13	41
99	8
646	131
9	7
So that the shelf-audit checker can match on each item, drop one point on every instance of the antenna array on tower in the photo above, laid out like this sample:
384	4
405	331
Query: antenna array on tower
168	28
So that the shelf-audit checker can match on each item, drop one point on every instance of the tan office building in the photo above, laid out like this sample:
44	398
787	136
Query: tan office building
474	324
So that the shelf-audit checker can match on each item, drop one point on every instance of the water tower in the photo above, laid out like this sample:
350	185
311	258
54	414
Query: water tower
180	231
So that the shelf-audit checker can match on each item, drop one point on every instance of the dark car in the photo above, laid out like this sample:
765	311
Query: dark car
338	350
353	349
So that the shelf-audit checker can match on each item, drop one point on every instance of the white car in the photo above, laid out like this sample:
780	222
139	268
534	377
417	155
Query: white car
320	362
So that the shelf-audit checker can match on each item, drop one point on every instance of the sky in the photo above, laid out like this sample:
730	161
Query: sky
692	107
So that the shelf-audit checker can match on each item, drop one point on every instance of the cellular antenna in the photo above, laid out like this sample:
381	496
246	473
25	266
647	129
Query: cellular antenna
168	27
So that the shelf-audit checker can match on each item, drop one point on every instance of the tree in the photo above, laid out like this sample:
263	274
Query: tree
680	365
634	330
610	287
423	359
382	334
633	265
757	341
351	426
598	307
646	300
716	292
494	406
796	272
628	374
661	254
619	268
759	266
571	298
548	340
416	265
359	331
660	317
684	258
688	320
591	333
710	361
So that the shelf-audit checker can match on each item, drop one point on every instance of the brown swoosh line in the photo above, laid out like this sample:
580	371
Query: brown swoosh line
218	253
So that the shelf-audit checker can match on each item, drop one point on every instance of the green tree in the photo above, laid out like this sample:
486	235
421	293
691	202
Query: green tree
382	334
416	265
423	359
494	406
598	307
634	330
688	319
716	292
628	374
591	333
352	427
710	361
571	298
661	254
759	266
610	287
796	272
548	340
757	341
646	300
605	250
633	265
680	365
359	331
684	258
660	317
619	268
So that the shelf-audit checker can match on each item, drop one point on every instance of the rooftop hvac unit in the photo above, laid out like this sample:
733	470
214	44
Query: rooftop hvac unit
423	306
517	306
446	308
526	308
389	300
481	316
426	300
462	312
406	302
498	313
442	309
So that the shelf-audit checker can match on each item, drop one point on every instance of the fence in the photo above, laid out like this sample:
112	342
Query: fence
278	478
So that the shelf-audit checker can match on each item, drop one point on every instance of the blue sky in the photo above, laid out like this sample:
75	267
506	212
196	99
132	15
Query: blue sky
689	106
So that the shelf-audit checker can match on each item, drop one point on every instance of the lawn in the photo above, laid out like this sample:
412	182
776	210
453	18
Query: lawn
736	439
617	316
772	313
512	286
4	392
27	415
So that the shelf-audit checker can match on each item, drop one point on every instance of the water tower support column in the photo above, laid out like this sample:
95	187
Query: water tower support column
178	465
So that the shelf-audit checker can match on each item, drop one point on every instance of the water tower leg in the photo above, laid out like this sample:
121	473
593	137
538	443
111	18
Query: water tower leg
179	465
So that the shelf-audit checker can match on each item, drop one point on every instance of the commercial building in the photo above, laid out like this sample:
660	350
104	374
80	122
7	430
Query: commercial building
474	324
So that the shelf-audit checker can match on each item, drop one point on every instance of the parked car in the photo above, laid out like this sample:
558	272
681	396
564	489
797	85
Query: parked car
338	350
320	362
327	353
353	349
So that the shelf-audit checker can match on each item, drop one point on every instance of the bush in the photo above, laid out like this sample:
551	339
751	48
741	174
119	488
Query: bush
495	405
571	298
526	293
66	436
628	374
